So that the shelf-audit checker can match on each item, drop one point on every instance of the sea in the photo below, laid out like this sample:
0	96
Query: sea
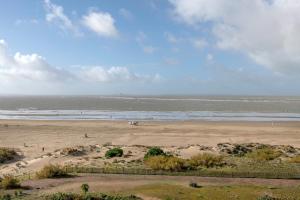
151	108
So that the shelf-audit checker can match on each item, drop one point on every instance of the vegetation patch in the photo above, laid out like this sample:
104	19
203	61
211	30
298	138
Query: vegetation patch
264	154
169	163
7	154
9	182
235	149
91	196
115	152
207	160
52	171
295	159
5	197
154	151
85	195
73	151
243	192
267	197
172	163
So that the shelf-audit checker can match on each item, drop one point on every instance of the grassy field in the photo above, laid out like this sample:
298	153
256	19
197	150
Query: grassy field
176	192
179	192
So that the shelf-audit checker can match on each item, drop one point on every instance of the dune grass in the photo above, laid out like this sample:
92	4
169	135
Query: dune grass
52	171
7	154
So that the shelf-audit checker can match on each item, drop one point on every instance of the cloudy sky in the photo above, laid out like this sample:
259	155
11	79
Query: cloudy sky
246	47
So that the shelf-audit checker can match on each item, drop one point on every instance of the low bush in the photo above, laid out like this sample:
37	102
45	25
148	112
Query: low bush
194	185
207	160
295	159
85	188
267	197
7	154
9	182
115	152
72	196
73	151
5	197
51	171
169	163
154	151
264	154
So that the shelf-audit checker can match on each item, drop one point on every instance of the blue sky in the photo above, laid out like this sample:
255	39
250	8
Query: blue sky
150	47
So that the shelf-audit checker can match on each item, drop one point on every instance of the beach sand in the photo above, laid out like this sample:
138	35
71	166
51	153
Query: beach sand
31	136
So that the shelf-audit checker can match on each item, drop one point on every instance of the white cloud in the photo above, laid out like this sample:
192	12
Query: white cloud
101	23
265	30
34	68
55	14
113	74
26	67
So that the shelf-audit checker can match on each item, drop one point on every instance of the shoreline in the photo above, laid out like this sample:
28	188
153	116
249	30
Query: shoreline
139	115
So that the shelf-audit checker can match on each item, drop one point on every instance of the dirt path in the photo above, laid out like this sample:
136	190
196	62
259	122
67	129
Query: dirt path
121	182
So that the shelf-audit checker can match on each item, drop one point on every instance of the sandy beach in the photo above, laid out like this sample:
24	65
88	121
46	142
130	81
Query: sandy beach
91	139
31	136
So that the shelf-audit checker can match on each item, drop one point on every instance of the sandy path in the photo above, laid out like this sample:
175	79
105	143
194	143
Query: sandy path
58	134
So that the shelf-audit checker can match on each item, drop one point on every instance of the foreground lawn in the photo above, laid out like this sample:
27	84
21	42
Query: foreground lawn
180	192
177	192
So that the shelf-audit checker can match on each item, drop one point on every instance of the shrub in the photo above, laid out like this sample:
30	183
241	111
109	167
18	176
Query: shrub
115	152
7	154
194	185
264	154
72	196
154	151
51	171
85	188
240	150
206	160
62	196
73	151
9	182
267	197
5	197
295	159
166	163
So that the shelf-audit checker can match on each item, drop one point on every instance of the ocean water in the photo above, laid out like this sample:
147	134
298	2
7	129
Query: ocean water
230	108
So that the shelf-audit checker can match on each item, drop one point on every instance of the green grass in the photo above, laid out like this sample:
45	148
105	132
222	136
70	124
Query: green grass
115	152
181	192
264	154
178	192
154	151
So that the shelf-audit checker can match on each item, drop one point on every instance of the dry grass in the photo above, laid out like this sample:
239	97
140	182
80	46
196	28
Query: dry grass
51	171
9	182
7	154
207	160
264	154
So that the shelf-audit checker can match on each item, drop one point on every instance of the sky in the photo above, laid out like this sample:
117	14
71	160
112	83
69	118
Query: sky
150	47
